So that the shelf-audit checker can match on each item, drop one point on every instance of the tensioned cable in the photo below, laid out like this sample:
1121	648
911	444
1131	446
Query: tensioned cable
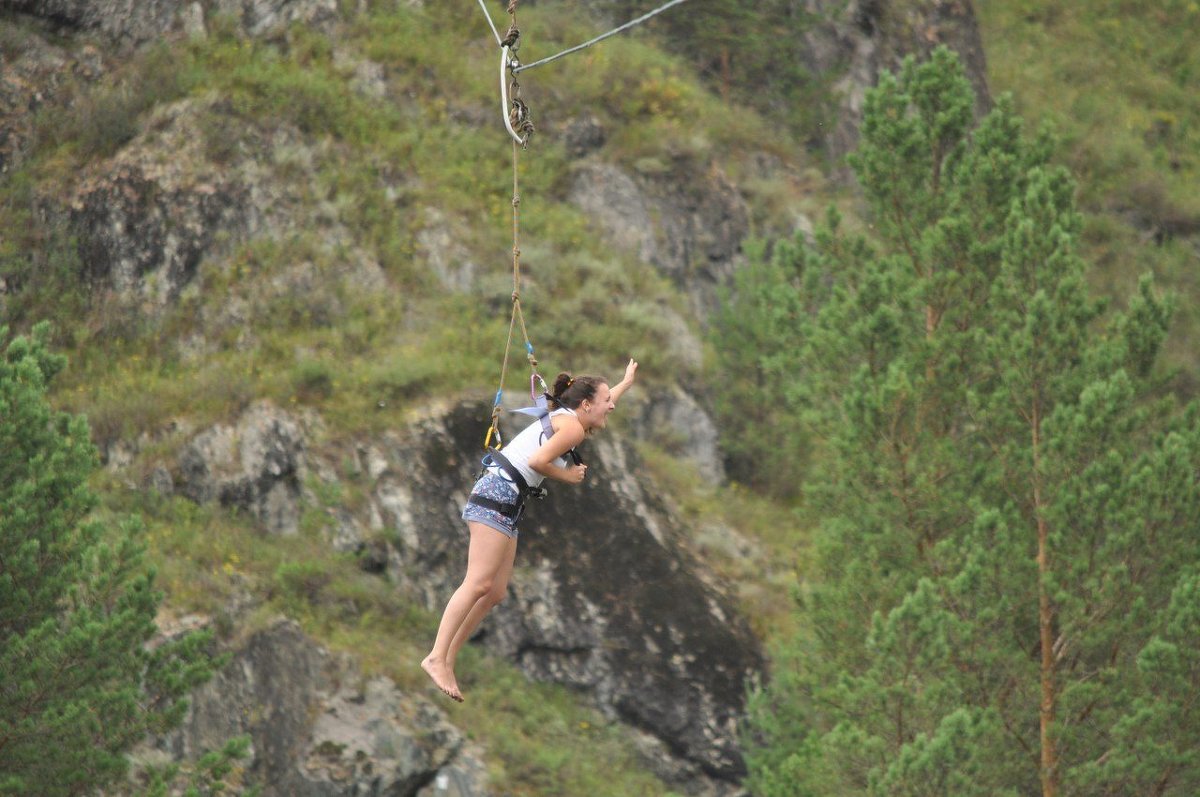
491	24
599	38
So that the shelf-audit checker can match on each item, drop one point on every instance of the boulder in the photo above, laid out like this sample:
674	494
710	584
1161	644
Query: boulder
256	466
318	729
686	219
679	424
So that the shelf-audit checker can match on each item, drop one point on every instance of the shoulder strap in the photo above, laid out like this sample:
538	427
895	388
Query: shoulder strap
541	411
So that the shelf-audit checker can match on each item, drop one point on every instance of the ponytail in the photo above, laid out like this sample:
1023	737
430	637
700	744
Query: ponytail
570	392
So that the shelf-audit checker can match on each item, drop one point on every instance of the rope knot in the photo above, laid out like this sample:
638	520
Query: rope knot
518	117
512	38
516	297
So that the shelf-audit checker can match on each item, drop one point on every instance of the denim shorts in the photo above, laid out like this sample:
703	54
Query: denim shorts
496	487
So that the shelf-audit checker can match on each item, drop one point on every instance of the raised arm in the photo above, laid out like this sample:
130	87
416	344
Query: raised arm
619	389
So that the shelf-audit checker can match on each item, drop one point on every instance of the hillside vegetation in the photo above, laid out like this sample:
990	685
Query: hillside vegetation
1117	80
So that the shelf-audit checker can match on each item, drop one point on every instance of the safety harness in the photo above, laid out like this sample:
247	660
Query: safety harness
494	458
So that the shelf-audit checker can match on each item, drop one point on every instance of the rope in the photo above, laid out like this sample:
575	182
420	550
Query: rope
517	315
599	38
491	24
518	119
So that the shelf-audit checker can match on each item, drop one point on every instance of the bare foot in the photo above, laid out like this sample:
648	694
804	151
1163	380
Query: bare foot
443	676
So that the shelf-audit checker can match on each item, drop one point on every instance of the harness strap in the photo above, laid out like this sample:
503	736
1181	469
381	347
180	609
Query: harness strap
506	465
511	511
541	410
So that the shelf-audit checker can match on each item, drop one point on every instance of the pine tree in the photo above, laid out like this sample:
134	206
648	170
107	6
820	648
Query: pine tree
1007	555
79	685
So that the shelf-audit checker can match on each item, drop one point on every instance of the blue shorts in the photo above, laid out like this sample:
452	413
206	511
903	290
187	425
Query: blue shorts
496	487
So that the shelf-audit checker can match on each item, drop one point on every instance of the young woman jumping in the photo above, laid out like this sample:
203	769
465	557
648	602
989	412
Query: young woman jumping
579	406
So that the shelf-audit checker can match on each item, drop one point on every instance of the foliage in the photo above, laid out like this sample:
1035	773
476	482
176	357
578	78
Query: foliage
1004	511
757	353
77	603
209	776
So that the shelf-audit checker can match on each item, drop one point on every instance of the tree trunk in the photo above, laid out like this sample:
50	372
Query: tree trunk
726	74
1049	760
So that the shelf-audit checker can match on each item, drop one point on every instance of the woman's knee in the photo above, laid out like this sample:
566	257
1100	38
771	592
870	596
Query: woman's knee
497	594
479	587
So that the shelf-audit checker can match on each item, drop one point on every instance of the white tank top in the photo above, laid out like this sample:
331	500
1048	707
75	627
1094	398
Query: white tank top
521	448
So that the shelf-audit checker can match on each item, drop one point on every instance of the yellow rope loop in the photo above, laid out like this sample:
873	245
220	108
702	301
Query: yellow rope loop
494	430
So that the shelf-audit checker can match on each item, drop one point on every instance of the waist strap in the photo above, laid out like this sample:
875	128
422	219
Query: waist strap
511	511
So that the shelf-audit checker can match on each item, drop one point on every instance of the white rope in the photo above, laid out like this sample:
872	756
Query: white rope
491	24
504	110
599	38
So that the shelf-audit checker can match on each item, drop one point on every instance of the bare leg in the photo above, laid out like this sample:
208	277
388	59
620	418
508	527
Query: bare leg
486	556
483	606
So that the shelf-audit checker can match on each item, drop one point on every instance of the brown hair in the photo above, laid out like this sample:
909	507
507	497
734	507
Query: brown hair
571	391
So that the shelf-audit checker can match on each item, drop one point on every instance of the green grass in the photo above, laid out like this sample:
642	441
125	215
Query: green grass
586	306
1116	79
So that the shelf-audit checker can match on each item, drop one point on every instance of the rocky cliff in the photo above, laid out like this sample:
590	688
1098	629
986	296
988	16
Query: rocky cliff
604	599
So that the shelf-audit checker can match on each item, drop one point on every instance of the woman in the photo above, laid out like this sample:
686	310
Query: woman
579	406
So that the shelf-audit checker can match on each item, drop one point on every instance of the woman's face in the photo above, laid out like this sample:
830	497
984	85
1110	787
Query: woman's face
593	412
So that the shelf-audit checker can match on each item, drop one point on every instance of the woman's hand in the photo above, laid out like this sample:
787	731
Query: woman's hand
620	388
630	372
575	474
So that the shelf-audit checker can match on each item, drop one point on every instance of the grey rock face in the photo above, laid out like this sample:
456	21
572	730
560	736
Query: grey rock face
583	135
689	222
602	601
863	38
262	16
33	72
677	422
144	232
317	731
137	21
151	220
256	466
146	218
